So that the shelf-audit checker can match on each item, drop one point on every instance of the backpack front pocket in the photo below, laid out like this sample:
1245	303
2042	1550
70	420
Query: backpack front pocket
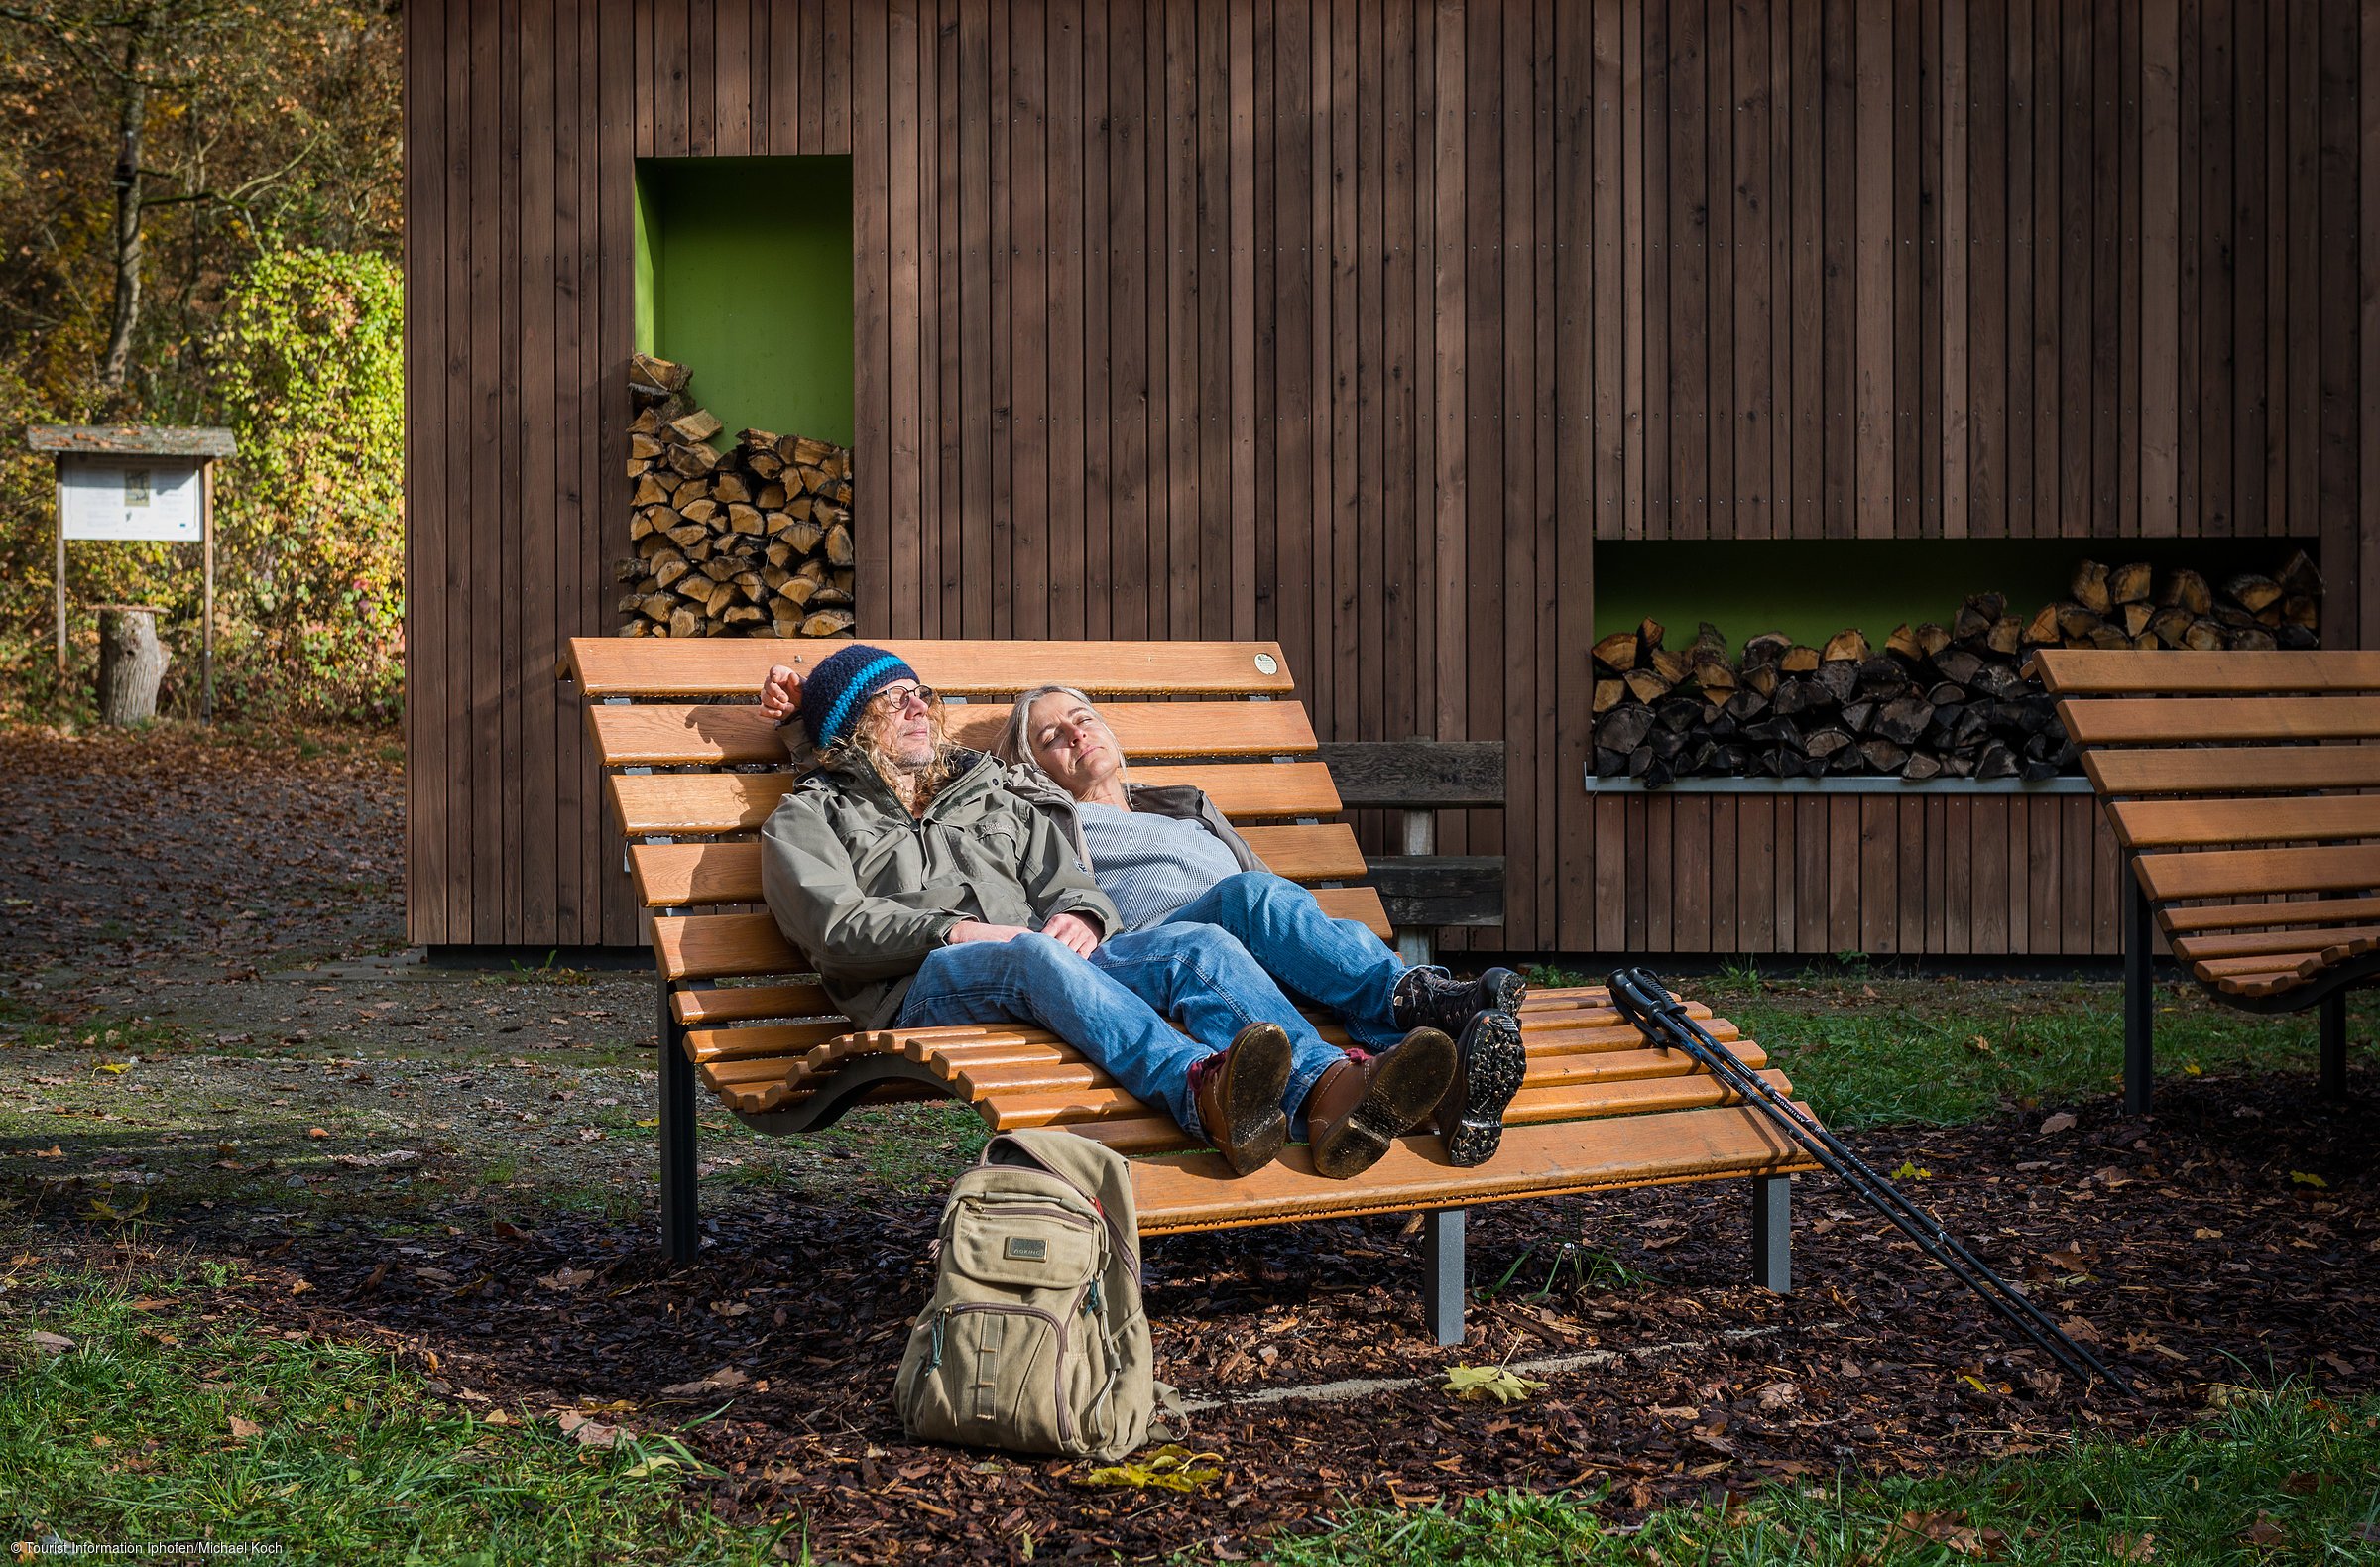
993	1376
1022	1242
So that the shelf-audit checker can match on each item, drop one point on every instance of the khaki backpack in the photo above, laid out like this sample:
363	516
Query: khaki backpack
1035	1339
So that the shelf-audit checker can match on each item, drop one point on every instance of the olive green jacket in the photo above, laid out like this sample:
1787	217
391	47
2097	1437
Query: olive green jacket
868	892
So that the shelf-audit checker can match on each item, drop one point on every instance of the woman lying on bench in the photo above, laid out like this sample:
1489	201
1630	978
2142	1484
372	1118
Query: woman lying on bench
1165	857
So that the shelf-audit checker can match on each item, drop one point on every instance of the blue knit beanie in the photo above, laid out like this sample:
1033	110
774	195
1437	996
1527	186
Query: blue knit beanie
834	692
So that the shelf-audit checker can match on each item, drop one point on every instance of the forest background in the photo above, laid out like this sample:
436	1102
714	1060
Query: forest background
200	223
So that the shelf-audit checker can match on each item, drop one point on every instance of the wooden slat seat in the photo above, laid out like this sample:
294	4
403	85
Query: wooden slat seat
692	772
2241	790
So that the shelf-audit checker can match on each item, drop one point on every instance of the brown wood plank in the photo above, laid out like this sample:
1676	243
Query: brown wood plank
652	804
721	1004
2200	823
658	734
2233	770
2118	721
2267	943
1199	1191
2259	873
2070	671
735	666
2296	911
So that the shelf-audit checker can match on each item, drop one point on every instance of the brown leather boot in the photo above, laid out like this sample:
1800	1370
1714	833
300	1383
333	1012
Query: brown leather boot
1239	1092
1361	1103
1489	1062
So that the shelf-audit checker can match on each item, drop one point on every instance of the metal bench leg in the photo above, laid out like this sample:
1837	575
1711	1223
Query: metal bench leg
2334	1044
679	1236
1442	1240
2140	945
1772	1233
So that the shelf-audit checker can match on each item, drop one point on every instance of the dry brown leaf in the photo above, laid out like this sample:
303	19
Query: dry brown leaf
242	1430
2062	1121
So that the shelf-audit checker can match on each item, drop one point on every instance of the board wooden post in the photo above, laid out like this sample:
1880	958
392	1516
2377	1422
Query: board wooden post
206	610
58	490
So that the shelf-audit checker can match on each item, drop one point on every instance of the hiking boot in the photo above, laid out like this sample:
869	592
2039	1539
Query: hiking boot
1489	1062
1361	1103
1239	1092
1430	998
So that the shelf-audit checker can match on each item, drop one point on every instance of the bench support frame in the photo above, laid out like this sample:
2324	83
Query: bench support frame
1772	1233
2140	951
680	1235
1442	1288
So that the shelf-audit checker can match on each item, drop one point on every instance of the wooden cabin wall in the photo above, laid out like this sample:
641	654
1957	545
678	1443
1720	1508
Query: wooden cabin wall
1357	322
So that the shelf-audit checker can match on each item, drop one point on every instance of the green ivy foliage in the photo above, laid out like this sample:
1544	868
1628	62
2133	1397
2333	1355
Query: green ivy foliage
309	369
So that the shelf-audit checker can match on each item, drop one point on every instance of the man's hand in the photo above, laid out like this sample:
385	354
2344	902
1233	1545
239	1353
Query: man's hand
1073	932
781	693
977	931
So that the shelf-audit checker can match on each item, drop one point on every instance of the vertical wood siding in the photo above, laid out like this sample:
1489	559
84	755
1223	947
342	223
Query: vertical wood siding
1356	323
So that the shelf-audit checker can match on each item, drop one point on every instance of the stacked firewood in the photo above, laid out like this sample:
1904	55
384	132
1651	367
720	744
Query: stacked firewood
1934	702
752	540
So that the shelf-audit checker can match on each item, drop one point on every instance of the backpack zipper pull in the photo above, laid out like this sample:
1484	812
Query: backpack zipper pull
1091	1301
934	1361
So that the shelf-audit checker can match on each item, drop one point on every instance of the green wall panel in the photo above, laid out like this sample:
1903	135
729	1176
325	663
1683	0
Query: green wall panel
1812	588
743	276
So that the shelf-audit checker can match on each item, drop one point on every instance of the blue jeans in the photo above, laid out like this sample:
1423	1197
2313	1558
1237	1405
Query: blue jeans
1114	1006
1334	963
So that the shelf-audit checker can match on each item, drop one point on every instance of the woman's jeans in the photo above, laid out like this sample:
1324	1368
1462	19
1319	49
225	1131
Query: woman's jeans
1334	963
1114	1006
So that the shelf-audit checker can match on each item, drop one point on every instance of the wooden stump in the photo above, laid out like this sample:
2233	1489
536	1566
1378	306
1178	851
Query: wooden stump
132	662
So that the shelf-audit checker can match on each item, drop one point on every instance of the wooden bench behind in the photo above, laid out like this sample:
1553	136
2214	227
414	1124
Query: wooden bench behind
2236	784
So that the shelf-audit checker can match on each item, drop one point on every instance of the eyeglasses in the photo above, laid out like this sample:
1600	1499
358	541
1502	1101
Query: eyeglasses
896	698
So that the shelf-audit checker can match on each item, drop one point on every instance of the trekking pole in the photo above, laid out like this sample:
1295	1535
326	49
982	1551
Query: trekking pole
1644	1000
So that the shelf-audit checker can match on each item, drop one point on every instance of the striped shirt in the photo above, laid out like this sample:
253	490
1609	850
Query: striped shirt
1150	864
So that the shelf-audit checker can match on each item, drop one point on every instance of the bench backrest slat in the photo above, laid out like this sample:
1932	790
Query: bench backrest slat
2080	671
2233	770
675	734
733	666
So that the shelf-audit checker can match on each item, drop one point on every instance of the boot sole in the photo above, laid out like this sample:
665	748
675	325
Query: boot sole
1255	1128
1409	1086
1505	993
1492	1071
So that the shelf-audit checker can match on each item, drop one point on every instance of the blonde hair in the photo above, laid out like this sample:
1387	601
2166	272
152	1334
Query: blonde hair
1015	742
863	745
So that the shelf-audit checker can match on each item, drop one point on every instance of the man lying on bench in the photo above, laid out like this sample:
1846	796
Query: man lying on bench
928	893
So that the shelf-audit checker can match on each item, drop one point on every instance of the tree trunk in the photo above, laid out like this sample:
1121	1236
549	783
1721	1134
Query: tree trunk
132	664
132	117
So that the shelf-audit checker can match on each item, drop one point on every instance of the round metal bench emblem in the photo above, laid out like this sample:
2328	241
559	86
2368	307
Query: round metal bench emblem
1266	664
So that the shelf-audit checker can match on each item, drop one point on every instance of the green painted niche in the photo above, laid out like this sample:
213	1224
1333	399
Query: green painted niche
744	275
1812	588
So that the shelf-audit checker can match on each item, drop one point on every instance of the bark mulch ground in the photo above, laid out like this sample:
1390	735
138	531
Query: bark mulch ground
2230	1239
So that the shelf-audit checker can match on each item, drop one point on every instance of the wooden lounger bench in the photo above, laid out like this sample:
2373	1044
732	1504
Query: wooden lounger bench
2233	783
692	771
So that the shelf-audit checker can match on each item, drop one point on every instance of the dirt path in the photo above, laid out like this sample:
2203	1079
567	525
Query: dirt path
215	1034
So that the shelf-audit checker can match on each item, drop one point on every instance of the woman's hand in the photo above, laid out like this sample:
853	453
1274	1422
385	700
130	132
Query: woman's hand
977	931
781	693
1073	932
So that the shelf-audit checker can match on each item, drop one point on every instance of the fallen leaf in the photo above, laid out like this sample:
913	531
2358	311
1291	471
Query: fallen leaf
2081	1331
298	1286
588	1433
113	1068
53	1343
2127	1549
653	1465
724	1378
317	1132
53	1151
2264	1533
1172	1466
498	1417
1779	1395
2302	1483
567	1278
1910	1171
2062	1121
2202	1232
2304	1179
241	1429
1489	1382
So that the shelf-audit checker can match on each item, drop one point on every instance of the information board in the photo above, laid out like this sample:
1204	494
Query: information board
130	498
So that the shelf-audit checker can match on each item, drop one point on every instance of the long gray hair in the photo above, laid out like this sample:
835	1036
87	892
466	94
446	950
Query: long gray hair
1016	743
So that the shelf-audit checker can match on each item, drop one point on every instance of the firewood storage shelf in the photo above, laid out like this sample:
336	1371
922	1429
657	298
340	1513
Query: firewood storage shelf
692	771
